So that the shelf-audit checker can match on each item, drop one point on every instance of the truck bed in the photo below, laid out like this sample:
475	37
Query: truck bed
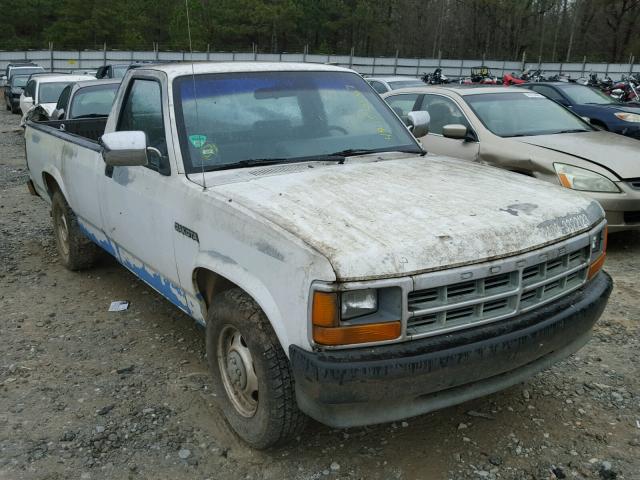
85	128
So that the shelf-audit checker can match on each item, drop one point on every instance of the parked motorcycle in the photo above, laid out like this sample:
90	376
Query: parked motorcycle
435	78
512	79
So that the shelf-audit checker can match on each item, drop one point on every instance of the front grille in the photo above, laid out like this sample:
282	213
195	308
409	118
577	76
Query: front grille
631	217
528	284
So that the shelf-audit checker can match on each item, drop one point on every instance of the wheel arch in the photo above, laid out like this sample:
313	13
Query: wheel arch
52	182
211	280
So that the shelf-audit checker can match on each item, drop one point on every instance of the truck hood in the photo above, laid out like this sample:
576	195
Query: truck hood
616	153
408	215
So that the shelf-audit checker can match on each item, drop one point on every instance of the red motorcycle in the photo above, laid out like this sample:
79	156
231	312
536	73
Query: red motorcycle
626	90
512	79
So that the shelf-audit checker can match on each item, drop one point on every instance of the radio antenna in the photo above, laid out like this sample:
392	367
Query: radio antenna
195	95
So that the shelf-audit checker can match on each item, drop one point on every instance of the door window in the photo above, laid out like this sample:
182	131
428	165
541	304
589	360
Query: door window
378	87
142	111
30	89
443	111
548	92
64	98
403	104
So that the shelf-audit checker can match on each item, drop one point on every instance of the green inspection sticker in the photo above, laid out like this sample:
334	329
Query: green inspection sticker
197	140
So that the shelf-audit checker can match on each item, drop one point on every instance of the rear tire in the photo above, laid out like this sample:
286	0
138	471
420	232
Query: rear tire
251	375
75	250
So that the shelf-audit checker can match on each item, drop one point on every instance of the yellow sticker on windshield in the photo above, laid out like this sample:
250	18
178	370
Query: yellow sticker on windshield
209	150
384	133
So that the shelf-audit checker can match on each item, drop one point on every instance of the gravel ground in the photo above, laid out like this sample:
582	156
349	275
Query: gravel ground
88	394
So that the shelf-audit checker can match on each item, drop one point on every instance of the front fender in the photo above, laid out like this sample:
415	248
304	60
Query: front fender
238	275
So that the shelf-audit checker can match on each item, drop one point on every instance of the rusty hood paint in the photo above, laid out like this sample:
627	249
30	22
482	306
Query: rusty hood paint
411	215
596	147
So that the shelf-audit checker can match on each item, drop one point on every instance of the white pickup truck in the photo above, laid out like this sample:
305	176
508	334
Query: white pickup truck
340	271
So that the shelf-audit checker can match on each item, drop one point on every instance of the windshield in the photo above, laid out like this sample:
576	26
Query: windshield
93	101
581	95
281	116
405	84
26	70
19	81
49	92
120	70
523	114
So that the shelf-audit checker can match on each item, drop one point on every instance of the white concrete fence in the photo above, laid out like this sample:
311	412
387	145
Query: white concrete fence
65	61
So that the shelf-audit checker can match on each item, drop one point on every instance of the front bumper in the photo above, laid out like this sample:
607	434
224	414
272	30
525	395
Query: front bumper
622	209
346	388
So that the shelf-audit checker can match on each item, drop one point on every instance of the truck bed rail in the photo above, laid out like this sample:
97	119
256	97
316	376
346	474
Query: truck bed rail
87	129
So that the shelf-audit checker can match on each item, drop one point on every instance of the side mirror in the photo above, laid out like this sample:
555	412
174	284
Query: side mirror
418	123
59	114
124	149
454	130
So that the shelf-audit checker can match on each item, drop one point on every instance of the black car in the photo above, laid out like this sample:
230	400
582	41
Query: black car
602	110
12	91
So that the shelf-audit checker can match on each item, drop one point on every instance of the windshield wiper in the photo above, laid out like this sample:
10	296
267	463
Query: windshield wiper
337	157
354	152
252	162
574	130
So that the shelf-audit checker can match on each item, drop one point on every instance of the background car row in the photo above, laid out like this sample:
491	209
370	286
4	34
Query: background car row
41	95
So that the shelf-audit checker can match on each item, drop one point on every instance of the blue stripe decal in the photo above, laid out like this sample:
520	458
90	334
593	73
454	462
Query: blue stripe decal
162	285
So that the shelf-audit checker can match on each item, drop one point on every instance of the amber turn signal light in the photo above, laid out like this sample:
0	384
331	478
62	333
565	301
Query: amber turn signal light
353	334
325	309
596	266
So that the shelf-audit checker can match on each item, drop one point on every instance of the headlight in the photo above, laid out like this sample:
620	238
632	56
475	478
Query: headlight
584	180
356	303
628	117
356	316
598	251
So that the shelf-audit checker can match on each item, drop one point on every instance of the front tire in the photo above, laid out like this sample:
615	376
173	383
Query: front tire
251	376
75	250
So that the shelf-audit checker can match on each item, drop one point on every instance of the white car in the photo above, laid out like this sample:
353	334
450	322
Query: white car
386	84
44	91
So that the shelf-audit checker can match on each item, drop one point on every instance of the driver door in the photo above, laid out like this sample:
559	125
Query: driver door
138	202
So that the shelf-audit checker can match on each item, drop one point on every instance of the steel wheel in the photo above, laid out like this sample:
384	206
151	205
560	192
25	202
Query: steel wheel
237	371
62	231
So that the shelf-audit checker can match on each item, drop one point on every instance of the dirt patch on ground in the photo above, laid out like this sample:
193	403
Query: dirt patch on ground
88	394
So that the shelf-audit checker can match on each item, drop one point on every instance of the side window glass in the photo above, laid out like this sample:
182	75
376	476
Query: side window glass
378	87
442	111
143	111
548	92
28	91
402	104
64	98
